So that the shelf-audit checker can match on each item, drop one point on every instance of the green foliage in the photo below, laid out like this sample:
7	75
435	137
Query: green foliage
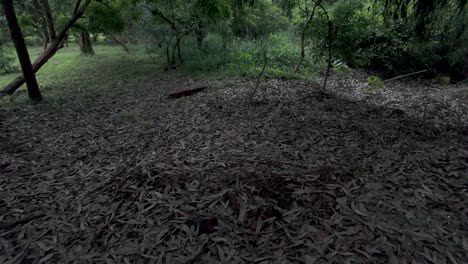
374	83
244	57
363	37
209	59
340	66
6	58
435	34
282	54
353	25
104	18
212	10
264	18
226	36
6	62
423	15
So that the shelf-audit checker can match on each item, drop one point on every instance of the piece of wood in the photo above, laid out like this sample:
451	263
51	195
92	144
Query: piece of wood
406	75
186	91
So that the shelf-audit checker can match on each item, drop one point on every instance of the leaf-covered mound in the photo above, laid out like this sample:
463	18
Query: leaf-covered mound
126	175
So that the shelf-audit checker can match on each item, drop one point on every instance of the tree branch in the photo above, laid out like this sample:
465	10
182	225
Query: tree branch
44	4
77	6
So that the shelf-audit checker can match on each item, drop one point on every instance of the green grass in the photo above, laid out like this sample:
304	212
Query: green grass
67	62
68	73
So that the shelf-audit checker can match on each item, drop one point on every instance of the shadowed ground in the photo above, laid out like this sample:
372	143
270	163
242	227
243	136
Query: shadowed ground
116	172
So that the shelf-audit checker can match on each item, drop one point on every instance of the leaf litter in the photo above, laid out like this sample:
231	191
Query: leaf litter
303	177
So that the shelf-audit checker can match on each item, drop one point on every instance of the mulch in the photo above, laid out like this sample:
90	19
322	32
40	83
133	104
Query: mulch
304	177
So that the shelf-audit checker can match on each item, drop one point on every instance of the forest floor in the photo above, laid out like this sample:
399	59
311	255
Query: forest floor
108	169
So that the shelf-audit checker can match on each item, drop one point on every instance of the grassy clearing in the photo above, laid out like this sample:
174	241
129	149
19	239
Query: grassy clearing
68	74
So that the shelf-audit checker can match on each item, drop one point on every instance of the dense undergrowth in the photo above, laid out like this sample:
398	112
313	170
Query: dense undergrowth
244	58
362	36
235	40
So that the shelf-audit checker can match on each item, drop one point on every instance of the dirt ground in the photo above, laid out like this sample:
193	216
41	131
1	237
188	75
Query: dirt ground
126	175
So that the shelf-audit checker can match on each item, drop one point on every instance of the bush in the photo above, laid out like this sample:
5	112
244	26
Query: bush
363	39
243	57
210	58
282	54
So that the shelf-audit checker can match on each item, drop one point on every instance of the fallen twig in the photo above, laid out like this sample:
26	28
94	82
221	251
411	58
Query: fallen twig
406	75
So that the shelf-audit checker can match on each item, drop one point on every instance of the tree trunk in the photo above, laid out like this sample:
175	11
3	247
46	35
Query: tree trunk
86	45
22	51
64	42
44	4
118	41
302	55
80	8
178	51
45	39
40	24
330	42
168	56
173	60
200	36
200	42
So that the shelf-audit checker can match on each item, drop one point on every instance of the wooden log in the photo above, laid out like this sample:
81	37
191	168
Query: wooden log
186	91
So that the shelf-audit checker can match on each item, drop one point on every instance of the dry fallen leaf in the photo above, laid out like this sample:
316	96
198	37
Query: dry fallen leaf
122	173
359	209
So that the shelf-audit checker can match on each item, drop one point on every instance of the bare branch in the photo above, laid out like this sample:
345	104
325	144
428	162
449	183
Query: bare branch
44	4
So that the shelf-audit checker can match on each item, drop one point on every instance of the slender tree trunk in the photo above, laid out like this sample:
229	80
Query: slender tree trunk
118	41
22	51
200	36
200	42
44	4
45	39
302	55
86	45
265	62
168	56
330	43
225	50
173	60
40	24
65	42
178	51
303	35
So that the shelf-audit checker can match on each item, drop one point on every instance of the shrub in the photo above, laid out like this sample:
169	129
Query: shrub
210	58
362	38
243	57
